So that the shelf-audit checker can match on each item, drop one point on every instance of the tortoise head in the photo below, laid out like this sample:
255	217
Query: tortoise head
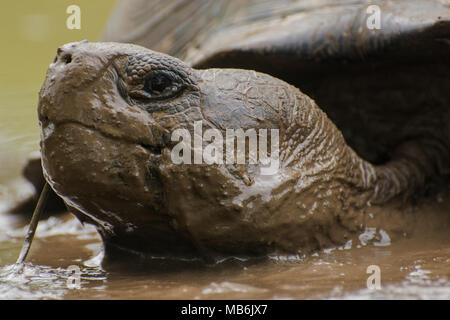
107	112
104	109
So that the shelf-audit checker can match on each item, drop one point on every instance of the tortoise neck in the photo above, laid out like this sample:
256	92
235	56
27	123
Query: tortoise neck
315	146
326	161
405	174
411	166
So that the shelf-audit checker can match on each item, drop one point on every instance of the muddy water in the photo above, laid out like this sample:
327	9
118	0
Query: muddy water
411	268
415	266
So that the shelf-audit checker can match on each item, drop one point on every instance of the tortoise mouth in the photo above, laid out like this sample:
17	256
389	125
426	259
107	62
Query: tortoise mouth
49	126
85	163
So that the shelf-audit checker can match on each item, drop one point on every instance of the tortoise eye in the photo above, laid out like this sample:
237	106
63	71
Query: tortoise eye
158	86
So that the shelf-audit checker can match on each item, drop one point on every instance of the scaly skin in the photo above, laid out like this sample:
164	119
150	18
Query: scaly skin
106	151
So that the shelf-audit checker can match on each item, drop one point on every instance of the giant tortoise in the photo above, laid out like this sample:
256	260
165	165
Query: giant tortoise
376	149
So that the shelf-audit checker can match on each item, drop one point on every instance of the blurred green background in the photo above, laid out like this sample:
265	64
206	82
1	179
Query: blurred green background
30	33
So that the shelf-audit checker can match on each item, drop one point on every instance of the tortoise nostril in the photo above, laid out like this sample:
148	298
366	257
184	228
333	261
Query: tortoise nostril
67	58
63	56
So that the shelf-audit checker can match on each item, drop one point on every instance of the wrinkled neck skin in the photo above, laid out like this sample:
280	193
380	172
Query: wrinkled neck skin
320	195
311	147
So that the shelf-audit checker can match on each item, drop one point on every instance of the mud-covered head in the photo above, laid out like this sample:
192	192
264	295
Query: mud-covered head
106	114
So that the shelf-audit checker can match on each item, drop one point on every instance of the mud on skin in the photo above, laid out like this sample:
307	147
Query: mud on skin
107	110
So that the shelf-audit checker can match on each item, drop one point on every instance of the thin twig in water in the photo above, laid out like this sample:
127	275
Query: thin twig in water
33	224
